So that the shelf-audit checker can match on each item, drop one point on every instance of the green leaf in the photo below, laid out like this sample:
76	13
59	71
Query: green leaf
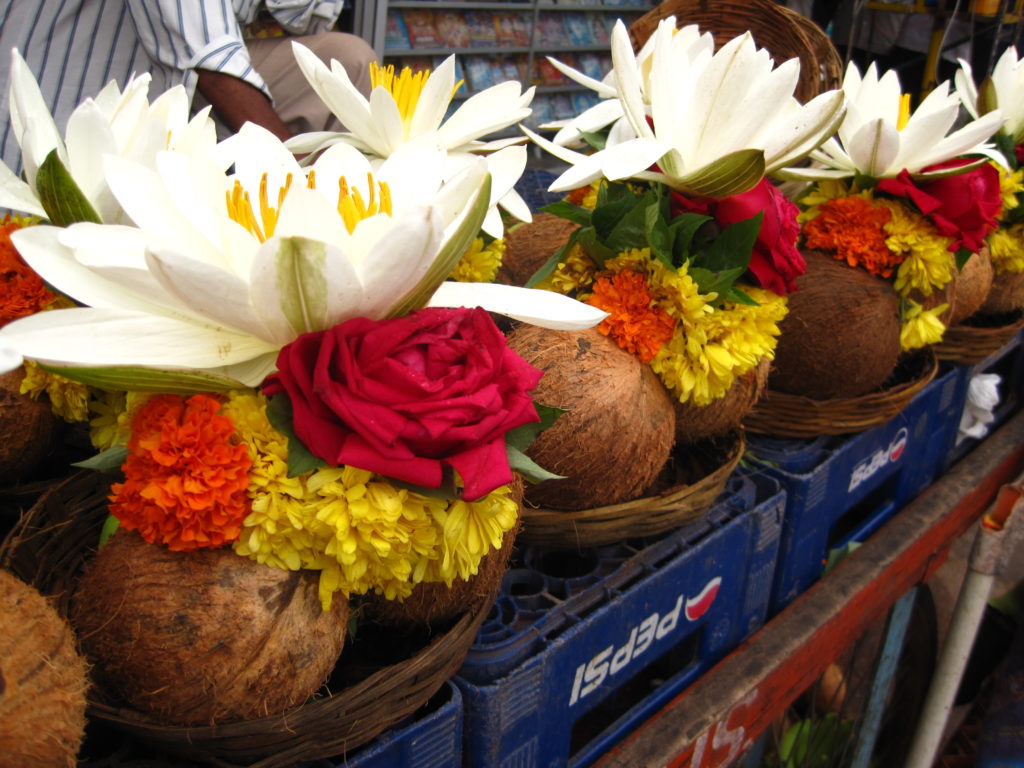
300	279
593	247
300	459
1006	145
597	140
739	296
523	437
631	229
110	460
60	195
110	526
566	210
962	256
139	379
549	266
727	176
448	490
659	235
732	247
683	229
614	201
531	471
715	282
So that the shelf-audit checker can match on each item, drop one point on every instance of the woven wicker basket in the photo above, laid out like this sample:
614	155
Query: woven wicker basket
784	33
680	503
778	413
975	339
46	549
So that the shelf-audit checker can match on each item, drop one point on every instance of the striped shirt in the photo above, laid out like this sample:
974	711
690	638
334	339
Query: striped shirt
75	47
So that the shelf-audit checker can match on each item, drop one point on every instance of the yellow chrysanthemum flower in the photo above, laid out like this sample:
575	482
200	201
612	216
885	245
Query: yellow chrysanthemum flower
822	192
927	265
480	263
1006	246
1010	185
703	360
68	399
362	533
571	275
921	327
111	423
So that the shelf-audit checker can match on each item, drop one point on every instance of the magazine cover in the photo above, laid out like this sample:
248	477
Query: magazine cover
546	74
542	113
579	29
561	106
598	30
454	33
422	32
511	30
551	31
395	33
478	72
583	100
591	65
481	29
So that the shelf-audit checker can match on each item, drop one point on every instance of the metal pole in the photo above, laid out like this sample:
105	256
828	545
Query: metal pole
970	606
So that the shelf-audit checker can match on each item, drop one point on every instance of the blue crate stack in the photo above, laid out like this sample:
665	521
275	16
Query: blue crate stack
584	645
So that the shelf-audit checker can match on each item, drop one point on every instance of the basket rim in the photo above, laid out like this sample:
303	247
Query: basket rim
596	526
786	415
968	345
268	742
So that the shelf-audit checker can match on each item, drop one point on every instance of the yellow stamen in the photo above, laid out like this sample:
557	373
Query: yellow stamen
904	116
405	88
240	208
353	208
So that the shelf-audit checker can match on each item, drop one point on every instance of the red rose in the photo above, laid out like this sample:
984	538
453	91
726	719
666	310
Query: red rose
775	260
963	207
1018	152
406	396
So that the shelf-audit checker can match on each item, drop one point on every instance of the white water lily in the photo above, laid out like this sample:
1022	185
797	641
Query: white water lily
222	270
1003	90
880	137
410	108
713	123
115	122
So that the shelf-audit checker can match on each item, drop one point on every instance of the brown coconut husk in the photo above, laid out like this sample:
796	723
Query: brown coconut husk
203	637
841	337
1006	294
28	429
43	681
620	426
432	605
724	415
965	293
529	245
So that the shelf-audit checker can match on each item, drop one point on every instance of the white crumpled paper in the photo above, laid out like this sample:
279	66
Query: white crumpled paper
982	399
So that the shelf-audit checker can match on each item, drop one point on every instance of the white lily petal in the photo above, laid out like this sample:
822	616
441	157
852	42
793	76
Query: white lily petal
31	121
90	138
515	206
603	90
490	110
874	147
387	119
624	160
629	83
964	141
17	194
544	308
434	99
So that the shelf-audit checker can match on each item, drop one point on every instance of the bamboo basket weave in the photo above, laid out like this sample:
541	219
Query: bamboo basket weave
969	344
784	415
663	511
784	33
48	548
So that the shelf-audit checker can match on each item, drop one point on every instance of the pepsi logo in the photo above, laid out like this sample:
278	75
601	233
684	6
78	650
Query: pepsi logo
897	445
698	605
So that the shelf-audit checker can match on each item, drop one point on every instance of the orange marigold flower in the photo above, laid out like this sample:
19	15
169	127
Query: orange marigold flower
854	230
185	476
22	291
634	322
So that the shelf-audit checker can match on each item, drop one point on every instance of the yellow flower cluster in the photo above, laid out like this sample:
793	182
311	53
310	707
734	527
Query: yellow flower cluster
67	398
111	422
480	263
1011	183
1006	246
704	358
921	327
573	274
359	531
927	264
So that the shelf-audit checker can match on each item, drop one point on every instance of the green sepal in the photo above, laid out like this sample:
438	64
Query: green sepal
448	490
109	461
300	458
531	471
962	256
523	437
597	140
60	195
134	378
729	175
110	526
988	101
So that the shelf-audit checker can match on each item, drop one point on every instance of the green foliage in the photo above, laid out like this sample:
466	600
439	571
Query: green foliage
814	743
60	195
109	461
300	459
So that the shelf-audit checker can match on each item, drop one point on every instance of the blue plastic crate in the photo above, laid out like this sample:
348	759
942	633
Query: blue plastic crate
1008	363
583	645
431	738
843	488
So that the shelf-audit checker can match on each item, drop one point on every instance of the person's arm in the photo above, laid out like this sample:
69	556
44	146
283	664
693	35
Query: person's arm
235	101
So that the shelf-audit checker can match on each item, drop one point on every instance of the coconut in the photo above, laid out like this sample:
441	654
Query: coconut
620	426
1006	294
203	637
529	245
28	429
42	681
841	337
432	605
724	415
971	287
